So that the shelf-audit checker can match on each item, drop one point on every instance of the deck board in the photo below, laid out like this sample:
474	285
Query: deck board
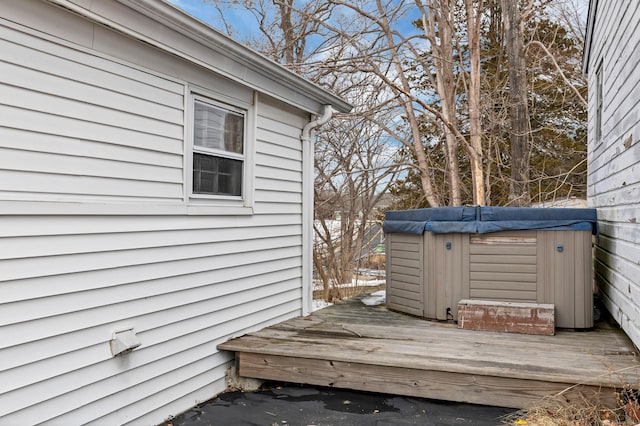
355	346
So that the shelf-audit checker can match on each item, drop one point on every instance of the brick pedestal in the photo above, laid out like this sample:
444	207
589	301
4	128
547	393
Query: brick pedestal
509	317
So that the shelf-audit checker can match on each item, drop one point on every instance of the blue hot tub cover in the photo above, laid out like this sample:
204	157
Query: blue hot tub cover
483	220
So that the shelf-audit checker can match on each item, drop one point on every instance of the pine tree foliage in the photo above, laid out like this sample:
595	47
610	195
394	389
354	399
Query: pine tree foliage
557	117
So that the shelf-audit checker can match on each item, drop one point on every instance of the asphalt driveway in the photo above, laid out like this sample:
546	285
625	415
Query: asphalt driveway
295	405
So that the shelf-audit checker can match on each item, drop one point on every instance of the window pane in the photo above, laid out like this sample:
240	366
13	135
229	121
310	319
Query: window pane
218	128
599	98
234	132
216	175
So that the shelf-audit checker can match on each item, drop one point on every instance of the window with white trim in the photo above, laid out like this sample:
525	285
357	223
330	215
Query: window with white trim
219	147
599	102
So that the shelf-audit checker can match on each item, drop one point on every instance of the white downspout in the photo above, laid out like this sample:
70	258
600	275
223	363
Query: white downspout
307	208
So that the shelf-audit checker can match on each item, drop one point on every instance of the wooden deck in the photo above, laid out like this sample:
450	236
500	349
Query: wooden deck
351	345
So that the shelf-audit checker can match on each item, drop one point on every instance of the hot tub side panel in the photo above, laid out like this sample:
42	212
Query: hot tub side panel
538	267
447	274
503	266
428	274
405	273
565	276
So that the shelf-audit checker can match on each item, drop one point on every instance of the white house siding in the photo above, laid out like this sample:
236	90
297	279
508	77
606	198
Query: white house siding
76	126
614	163
102	129
279	161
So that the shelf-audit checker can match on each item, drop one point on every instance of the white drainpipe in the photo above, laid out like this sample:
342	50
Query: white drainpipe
307	208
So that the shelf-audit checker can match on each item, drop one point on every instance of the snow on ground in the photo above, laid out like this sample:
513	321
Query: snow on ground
319	304
317	285
376	298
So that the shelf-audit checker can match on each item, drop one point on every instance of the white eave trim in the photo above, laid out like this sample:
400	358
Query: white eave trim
174	18
591	20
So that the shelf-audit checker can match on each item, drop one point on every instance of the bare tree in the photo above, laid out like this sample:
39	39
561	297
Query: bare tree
437	23
285	29
421	71
353	160
474	11
380	50
354	165
519	193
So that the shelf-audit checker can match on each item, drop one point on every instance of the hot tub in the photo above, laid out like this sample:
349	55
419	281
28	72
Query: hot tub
438	256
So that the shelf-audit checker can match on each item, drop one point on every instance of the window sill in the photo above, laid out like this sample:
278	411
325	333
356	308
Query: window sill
44	208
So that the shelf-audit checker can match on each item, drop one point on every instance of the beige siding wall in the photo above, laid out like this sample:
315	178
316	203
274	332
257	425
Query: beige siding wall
405	273
503	266
614	162
447	257
78	127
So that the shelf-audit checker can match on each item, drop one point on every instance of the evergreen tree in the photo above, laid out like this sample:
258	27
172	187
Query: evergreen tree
556	114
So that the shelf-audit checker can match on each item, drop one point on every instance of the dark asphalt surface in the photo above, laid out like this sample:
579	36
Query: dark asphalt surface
294	405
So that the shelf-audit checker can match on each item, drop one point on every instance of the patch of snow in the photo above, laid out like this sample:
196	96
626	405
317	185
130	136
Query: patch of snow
354	283
367	283
376	298
319	304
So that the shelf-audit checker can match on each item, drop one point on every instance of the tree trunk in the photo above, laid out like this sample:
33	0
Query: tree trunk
473	31
446	87
286	25
519	194
427	186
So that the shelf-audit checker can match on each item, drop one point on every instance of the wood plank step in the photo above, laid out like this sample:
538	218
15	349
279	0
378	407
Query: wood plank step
371	348
472	359
426	331
489	390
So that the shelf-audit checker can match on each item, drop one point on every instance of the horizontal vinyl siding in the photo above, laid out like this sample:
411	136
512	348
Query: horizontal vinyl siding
184	291
502	266
78	127
405	278
278	172
614	162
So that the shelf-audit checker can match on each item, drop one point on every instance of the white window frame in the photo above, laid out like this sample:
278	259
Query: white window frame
248	111
599	104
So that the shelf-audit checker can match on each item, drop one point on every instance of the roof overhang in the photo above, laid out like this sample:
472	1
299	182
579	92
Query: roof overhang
201	44
588	37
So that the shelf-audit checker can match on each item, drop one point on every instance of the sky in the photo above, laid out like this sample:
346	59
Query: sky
206	12
242	21
203	11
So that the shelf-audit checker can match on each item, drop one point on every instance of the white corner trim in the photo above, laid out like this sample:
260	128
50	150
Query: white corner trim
306	138
307	226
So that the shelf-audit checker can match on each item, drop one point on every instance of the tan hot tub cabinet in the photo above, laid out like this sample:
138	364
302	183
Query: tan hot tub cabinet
438	256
